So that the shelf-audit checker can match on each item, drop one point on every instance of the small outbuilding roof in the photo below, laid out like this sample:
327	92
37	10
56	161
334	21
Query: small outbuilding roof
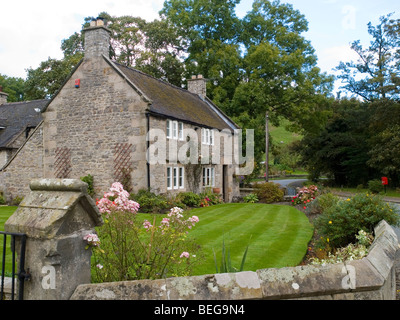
16	117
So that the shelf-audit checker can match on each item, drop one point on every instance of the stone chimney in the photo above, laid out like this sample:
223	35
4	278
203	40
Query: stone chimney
197	85
97	39
3	96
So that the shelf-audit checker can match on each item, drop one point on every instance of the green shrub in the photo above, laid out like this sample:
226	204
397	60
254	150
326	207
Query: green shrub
215	198
150	202
339	224
89	180
128	247
189	199
250	198
268	192
375	186
16	201
322	203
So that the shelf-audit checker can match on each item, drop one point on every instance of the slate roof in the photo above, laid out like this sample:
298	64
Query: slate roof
171	101
15	117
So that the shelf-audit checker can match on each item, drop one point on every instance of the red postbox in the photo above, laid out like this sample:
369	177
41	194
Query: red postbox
385	181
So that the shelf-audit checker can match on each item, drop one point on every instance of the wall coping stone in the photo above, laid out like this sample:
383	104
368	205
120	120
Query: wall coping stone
341	280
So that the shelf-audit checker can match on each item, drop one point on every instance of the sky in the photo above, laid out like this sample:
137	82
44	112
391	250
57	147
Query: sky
32	31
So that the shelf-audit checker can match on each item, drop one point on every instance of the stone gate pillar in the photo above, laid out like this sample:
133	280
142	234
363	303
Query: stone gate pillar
55	216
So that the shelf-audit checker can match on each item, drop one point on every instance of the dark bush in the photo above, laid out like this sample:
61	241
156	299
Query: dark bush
339	224
150	202
268	192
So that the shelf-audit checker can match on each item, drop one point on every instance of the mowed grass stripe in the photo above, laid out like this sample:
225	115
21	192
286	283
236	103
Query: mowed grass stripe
275	233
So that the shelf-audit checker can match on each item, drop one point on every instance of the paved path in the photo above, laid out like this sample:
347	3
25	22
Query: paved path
291	182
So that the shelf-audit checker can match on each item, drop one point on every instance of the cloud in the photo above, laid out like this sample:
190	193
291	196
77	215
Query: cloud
332	57
32	31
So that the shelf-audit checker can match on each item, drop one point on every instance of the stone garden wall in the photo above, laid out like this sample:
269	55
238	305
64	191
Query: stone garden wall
372	278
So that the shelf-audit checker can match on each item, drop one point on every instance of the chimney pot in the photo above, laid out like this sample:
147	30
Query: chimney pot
93	23
100	21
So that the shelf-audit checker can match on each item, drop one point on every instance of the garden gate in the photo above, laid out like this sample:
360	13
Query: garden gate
22	275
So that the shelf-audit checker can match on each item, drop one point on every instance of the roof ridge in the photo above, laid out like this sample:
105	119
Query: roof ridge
24	102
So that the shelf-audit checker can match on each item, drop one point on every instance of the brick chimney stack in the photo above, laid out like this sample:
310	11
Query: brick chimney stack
97	39
198	85
3	96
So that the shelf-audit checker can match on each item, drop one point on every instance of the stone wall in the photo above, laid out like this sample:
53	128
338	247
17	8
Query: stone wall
93	123
372	278
24	166
158	175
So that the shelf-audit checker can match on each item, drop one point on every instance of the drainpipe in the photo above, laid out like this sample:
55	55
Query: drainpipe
148	146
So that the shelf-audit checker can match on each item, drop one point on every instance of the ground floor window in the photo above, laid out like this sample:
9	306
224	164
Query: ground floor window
208	177
175	178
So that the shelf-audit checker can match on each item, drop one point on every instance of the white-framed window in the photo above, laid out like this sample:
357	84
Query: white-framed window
181	178
169	128
169	178
207	136
174	130
175	178
209	177
180	131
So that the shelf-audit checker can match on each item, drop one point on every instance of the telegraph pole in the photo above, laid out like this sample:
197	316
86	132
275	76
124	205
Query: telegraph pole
266	146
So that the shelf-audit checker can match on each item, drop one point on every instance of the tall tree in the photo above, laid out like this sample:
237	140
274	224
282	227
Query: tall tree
210	33
44	81
376	74
14	87
281	73
340	149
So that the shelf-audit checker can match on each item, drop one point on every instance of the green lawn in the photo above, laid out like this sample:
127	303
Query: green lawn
280	133
389	192
277	235
5	213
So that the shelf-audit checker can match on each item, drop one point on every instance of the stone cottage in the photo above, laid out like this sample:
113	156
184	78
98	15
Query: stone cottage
101	122
17	122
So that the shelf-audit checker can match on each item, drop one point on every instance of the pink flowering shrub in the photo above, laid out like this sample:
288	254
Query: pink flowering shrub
134	248
305	195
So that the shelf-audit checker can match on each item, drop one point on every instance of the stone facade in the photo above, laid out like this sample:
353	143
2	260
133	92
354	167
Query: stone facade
92	122
26	165
97	124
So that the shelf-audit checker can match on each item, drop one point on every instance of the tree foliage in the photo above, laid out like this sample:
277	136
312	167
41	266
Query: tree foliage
376	74
14	87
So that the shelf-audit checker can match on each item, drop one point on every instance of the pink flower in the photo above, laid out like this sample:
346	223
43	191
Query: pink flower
121	200
92	240
193	220
147	225
184	255
175	211
165	222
